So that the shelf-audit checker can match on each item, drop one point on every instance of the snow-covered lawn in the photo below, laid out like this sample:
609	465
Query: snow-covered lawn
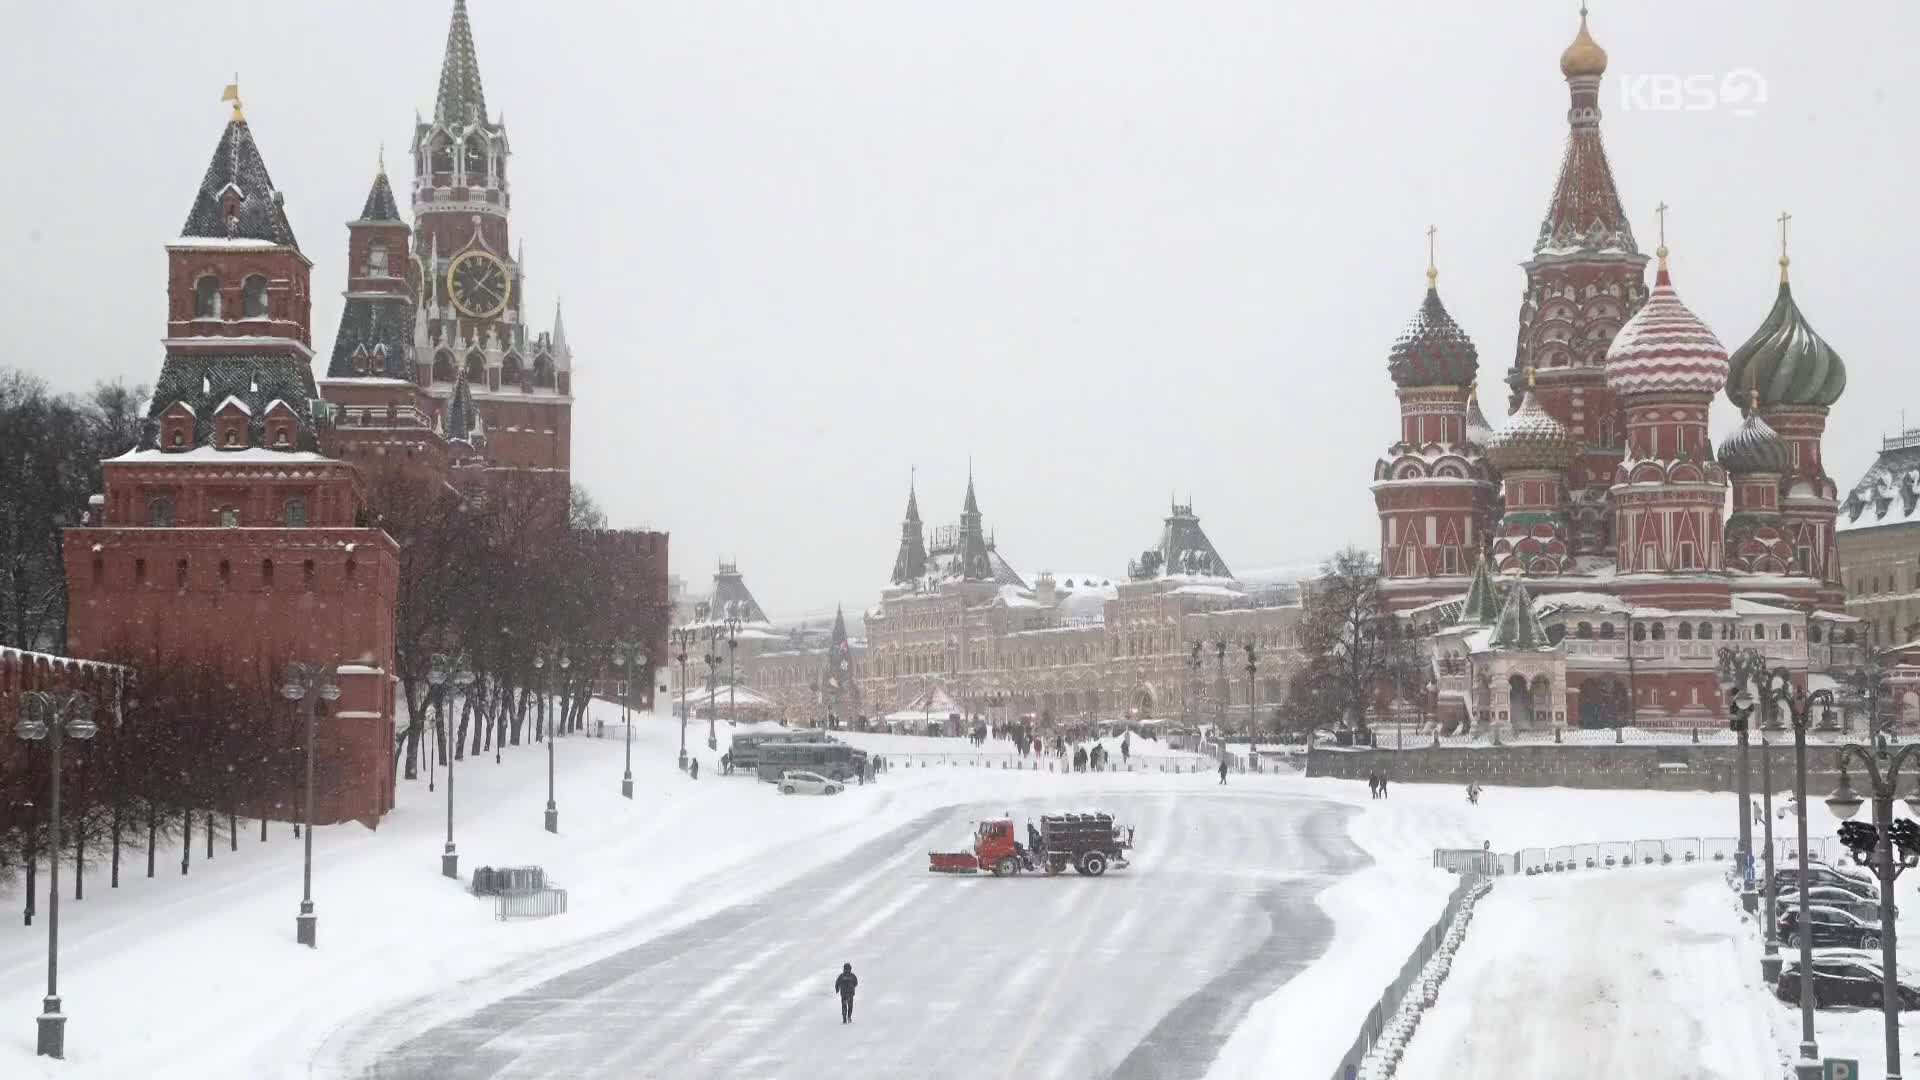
1641	972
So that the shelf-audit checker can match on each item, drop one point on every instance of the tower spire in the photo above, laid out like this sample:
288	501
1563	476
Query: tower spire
1433	271
1783	219
461	100
1661	211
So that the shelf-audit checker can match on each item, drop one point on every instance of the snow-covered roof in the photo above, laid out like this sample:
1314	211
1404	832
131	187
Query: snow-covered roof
235	401
202	455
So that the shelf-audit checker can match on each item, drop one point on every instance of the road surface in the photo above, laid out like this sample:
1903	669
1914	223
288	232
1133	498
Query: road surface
1140	974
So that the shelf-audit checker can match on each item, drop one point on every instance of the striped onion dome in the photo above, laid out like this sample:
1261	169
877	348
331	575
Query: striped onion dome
1785	360
1531	439
1753	447
1665	348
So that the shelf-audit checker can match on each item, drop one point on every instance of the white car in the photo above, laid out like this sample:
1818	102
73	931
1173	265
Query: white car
795	782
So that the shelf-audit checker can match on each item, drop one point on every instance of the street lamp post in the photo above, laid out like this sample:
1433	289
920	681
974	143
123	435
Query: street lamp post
682	640
1736	671
453	676
540	665
1778	688
1189	700
627	656
1220	654
1253	714
1878	850
715	631
309	685
54	715
733	624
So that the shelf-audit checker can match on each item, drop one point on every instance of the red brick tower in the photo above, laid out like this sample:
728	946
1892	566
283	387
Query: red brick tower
1792	377
380	419
1433	489
471	285
1586	277
1669	492
225	538
1532	453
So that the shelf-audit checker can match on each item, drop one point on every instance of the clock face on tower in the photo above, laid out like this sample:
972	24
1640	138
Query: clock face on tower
479	284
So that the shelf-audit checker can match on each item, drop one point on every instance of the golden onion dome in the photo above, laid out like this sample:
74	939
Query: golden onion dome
1584	56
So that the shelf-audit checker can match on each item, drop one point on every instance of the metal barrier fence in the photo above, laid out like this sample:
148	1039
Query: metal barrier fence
1412	974
1672	851
1706	734
1137	763
530	905
497	880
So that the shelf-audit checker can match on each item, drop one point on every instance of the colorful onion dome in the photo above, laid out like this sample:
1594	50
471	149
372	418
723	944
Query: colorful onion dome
1479	432
1584	56
1785	360
1665	348
1531	439
1753	447
1432	350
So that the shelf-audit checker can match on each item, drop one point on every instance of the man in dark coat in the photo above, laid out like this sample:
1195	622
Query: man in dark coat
844	986
1223	769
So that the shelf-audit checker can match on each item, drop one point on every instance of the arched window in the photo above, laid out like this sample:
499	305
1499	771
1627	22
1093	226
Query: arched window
543	377
475	165
510	372
206	297
229	517
1686	631
476	369
443	368
160	511
1583	631
179	438
233	437
1606	631
1659	631
266	573
296	513
280	437
253	299
1639	631
1706	632
442	154
1786	631
1556	632
377	258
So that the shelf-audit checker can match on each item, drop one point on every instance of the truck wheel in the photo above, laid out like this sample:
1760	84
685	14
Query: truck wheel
1093	864
1006	867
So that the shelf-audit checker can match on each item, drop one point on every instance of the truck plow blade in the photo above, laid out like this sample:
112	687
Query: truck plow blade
953	862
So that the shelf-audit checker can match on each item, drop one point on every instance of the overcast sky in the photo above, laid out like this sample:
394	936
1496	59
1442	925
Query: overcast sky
1108	250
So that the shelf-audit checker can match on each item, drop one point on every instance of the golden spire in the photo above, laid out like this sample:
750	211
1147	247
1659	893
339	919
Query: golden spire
1661	251
232	93
1473	391
1529	380
1783	219
383	157
1753	398
1433	273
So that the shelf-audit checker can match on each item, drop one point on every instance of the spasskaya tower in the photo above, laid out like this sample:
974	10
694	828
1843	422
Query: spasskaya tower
470	324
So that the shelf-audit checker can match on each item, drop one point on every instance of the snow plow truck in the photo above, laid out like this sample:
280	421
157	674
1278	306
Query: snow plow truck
1090	843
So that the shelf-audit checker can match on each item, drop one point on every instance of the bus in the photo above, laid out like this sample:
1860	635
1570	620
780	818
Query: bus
833	760
747	749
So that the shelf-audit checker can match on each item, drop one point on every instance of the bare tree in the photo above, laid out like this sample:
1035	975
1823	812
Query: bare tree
1355	649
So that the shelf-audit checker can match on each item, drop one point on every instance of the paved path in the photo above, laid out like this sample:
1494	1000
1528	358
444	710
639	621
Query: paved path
1140	974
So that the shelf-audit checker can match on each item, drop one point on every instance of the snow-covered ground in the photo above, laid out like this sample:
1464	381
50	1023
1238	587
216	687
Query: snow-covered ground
200	977
1641	972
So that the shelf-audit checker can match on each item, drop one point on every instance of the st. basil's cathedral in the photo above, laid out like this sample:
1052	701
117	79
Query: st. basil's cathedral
244	528
1577	566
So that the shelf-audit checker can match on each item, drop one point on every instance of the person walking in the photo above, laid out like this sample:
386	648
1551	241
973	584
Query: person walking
1383	785
693	768
1223	769
844	986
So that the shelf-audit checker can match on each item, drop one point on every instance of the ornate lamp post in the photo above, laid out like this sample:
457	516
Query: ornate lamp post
1876	845
733	623
1736	671
1188	699
683	640
630	657
453	677
540	665
309	685
715	631
54	715
1779	689
1253	714
1220	654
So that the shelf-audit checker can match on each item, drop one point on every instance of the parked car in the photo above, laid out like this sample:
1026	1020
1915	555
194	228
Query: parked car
1830	928
1787	879
1830	896
795	782
1844	977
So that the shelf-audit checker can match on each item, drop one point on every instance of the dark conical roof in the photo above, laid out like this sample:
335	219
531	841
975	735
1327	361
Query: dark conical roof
1519	627
1432	350
460	412
1785	360
732	598
1753	447
237	179
1479	432
910	564
380	205
1482	606
461	98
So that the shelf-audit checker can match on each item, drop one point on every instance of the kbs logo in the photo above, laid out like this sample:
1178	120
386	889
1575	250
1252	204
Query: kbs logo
1741	92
